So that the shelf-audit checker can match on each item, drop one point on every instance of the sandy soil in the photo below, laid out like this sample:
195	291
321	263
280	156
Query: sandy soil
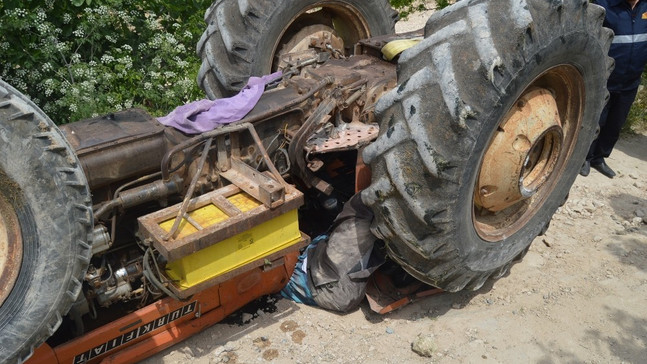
579	296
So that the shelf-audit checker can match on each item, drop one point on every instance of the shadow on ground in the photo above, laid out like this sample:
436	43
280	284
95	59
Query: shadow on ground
629	342
634	146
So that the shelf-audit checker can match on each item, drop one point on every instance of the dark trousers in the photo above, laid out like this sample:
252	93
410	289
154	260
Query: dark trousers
614	115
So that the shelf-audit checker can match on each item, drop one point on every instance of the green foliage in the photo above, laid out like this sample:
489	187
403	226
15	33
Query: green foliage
80	58
406	7
637	119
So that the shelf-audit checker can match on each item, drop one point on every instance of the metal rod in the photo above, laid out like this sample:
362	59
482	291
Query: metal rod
189	194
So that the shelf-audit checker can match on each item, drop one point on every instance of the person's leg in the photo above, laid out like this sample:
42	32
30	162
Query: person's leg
618	110
593	150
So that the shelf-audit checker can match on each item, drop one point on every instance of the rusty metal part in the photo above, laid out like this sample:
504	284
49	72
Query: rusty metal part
117	146
238	221
296	149
11	248
522	154
136	196
384	296
317	36
251	118
344	21
348	136
528	153
270	190
189	194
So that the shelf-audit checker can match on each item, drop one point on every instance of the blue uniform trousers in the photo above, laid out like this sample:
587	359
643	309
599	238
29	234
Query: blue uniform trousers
612	119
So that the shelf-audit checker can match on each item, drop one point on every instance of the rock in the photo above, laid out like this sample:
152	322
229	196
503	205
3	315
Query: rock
639	213
389	330
424	345
597	204
247	317
597	238
639	185
637	221
633	176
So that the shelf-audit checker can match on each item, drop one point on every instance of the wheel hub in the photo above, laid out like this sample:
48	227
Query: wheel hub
331	23
310	36
10	248
522	154
528	153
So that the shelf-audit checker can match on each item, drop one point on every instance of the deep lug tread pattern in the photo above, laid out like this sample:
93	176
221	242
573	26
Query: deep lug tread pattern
235	44
56	248
477	56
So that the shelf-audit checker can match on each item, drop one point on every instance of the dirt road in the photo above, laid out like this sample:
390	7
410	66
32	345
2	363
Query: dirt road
579	296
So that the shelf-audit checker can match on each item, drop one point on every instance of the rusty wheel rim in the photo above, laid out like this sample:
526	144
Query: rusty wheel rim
528	153
336	23
10	248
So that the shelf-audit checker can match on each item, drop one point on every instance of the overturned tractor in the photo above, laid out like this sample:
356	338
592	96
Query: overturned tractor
118	229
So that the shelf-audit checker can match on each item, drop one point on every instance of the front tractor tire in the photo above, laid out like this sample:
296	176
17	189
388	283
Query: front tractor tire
245	38
485	134
45	224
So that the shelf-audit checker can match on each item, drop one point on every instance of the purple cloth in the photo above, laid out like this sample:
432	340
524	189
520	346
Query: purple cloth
205	115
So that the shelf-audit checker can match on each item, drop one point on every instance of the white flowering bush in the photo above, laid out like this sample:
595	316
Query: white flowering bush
79	59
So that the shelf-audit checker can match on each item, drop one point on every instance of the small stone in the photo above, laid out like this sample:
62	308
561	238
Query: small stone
639	213
546	242
597	204
456	306
633	176
389	330
424	345
636	221
262	342
246	317
597	238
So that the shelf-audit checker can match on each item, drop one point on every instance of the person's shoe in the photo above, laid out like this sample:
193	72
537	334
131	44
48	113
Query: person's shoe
604	169
586	169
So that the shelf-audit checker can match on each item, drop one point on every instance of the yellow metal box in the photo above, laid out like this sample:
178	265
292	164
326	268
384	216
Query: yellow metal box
225	230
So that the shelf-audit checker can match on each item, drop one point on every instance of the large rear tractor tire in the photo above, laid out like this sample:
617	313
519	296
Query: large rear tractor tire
45	224
485	134
244	38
